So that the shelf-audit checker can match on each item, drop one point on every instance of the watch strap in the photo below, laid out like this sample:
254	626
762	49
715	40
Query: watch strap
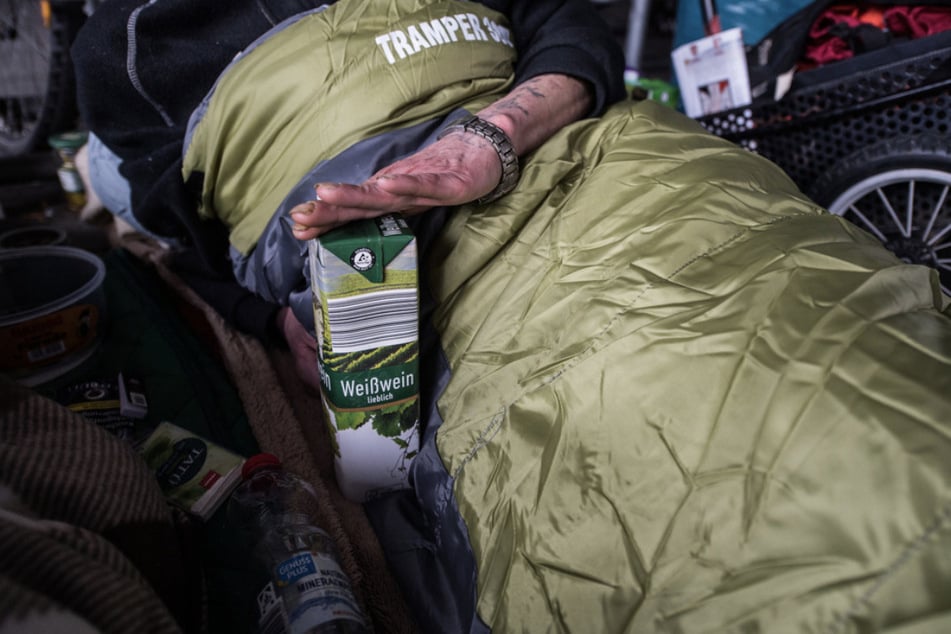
503	146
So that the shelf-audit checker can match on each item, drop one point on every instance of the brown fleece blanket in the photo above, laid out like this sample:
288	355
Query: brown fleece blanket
285	417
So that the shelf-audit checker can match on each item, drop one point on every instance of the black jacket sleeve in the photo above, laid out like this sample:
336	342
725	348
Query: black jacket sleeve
567	37
141	70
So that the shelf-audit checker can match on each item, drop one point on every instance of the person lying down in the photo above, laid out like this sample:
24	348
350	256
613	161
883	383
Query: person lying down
667	392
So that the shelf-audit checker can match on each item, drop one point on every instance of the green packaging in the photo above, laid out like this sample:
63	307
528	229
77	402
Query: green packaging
194	473
366	310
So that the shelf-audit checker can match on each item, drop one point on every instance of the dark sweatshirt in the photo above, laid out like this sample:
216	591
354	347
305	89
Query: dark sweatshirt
136	93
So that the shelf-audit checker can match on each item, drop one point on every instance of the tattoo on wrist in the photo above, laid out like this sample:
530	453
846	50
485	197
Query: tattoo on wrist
535	92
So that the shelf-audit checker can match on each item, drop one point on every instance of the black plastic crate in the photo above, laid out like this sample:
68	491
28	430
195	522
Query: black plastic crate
836	110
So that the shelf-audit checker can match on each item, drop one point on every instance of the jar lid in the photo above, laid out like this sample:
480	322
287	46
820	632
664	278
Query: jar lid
259	461
69	140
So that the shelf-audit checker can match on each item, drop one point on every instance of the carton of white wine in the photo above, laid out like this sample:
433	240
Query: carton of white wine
366	311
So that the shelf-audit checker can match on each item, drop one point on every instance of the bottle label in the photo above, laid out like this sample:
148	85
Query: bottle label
48	338
70	180
315	591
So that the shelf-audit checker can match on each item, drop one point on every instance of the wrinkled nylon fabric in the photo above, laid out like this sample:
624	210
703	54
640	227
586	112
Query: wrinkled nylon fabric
684	399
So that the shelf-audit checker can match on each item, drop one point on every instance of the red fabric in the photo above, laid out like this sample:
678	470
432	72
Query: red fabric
835	14
901	21
822	48
915	22
827	50
850	14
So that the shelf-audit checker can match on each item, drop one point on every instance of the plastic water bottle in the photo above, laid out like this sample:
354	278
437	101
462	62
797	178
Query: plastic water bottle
306	577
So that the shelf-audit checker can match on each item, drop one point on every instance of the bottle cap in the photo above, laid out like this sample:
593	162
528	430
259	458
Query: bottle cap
259	461
69	140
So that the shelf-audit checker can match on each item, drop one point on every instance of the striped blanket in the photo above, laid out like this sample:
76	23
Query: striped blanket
87	542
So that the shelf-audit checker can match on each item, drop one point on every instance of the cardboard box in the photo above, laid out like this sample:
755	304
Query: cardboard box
195	474
712	73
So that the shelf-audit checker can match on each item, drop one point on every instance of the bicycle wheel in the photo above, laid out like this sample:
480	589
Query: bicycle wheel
37	90
898	190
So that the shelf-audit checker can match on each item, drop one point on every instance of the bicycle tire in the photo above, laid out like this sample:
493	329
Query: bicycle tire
37	85
900	191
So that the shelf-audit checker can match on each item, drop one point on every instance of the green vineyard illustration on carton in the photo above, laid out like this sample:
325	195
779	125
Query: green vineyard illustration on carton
371	368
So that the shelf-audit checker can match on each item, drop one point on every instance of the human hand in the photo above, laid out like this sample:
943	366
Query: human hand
456	169
303	346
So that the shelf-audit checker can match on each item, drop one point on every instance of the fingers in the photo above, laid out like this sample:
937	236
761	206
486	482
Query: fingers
426	190
296	336
452	171
316	217
338	204
303	347
305	220
388	192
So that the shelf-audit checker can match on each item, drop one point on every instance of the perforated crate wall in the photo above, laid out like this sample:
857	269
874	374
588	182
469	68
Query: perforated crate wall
813	127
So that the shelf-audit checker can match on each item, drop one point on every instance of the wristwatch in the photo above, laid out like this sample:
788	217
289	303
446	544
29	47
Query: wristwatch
503	146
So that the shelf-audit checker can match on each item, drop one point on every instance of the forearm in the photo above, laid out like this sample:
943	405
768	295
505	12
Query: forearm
537	108
570	38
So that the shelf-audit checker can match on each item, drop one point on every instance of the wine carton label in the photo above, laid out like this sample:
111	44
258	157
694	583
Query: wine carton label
366	310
